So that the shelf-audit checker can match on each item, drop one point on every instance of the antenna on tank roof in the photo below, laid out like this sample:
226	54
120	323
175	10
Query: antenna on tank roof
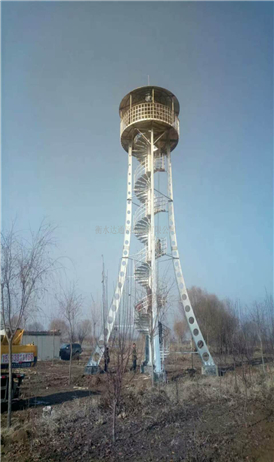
148	80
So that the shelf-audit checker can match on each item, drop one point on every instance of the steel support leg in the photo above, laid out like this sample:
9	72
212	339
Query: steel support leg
209	367
155	317
94	360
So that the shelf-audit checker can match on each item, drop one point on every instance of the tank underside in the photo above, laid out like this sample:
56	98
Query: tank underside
158	126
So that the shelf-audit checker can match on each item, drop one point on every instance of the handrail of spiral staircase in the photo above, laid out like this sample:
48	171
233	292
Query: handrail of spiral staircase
140	257
160	163
159	203
145	301
143	304
141	170
165	345
140	213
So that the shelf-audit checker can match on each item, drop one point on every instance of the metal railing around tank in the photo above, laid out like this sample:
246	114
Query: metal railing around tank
144	111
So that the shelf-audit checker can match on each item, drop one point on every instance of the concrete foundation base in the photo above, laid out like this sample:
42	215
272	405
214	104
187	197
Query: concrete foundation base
90	370
210	370
160	377
146	369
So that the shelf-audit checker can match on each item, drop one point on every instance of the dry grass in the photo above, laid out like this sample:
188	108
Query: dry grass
251	383
190	419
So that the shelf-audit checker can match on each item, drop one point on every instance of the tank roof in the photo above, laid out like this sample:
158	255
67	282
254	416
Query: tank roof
141	91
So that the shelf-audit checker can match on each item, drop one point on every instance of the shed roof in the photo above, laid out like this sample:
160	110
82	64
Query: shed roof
43	332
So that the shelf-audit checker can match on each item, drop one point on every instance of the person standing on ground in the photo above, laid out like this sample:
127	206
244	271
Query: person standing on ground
134	358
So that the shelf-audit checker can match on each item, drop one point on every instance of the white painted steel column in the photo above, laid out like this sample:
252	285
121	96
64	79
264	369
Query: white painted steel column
197	336
155	330
148	212
96	356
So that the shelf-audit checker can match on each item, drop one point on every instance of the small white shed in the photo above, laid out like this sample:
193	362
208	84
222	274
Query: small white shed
47	342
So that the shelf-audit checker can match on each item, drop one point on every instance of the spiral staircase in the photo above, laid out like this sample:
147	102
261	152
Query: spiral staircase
141	227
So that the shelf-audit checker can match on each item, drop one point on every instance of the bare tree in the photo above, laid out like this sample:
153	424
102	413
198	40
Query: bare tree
258	316
70	303
14	321
59	324
25	268
181	329
83	330
120	347
216	319
156	328
95	313
35	326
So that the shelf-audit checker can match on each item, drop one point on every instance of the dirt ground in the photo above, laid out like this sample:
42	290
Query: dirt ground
191	418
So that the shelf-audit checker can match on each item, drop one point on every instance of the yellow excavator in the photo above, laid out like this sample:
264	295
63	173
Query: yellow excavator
23	356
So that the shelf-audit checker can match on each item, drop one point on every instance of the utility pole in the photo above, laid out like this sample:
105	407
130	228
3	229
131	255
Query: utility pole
103	299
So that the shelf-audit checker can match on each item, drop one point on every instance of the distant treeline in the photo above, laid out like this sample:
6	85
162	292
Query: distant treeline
230	328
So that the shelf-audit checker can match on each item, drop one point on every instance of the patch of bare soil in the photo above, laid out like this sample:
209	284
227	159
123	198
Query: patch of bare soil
191	418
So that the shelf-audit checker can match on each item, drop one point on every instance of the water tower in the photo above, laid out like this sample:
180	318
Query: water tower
149	131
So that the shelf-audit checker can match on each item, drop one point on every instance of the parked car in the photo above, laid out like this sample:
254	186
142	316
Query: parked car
65	351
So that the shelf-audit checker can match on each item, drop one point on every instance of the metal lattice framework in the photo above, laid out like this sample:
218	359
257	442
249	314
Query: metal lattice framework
149	131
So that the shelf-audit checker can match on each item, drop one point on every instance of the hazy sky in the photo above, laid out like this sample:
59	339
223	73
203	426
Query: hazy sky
65	68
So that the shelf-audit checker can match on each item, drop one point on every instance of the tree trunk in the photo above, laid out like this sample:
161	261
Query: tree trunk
10	383
114	421
192	352
94	339
152	360
70	359
262	354
177	391
53	348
